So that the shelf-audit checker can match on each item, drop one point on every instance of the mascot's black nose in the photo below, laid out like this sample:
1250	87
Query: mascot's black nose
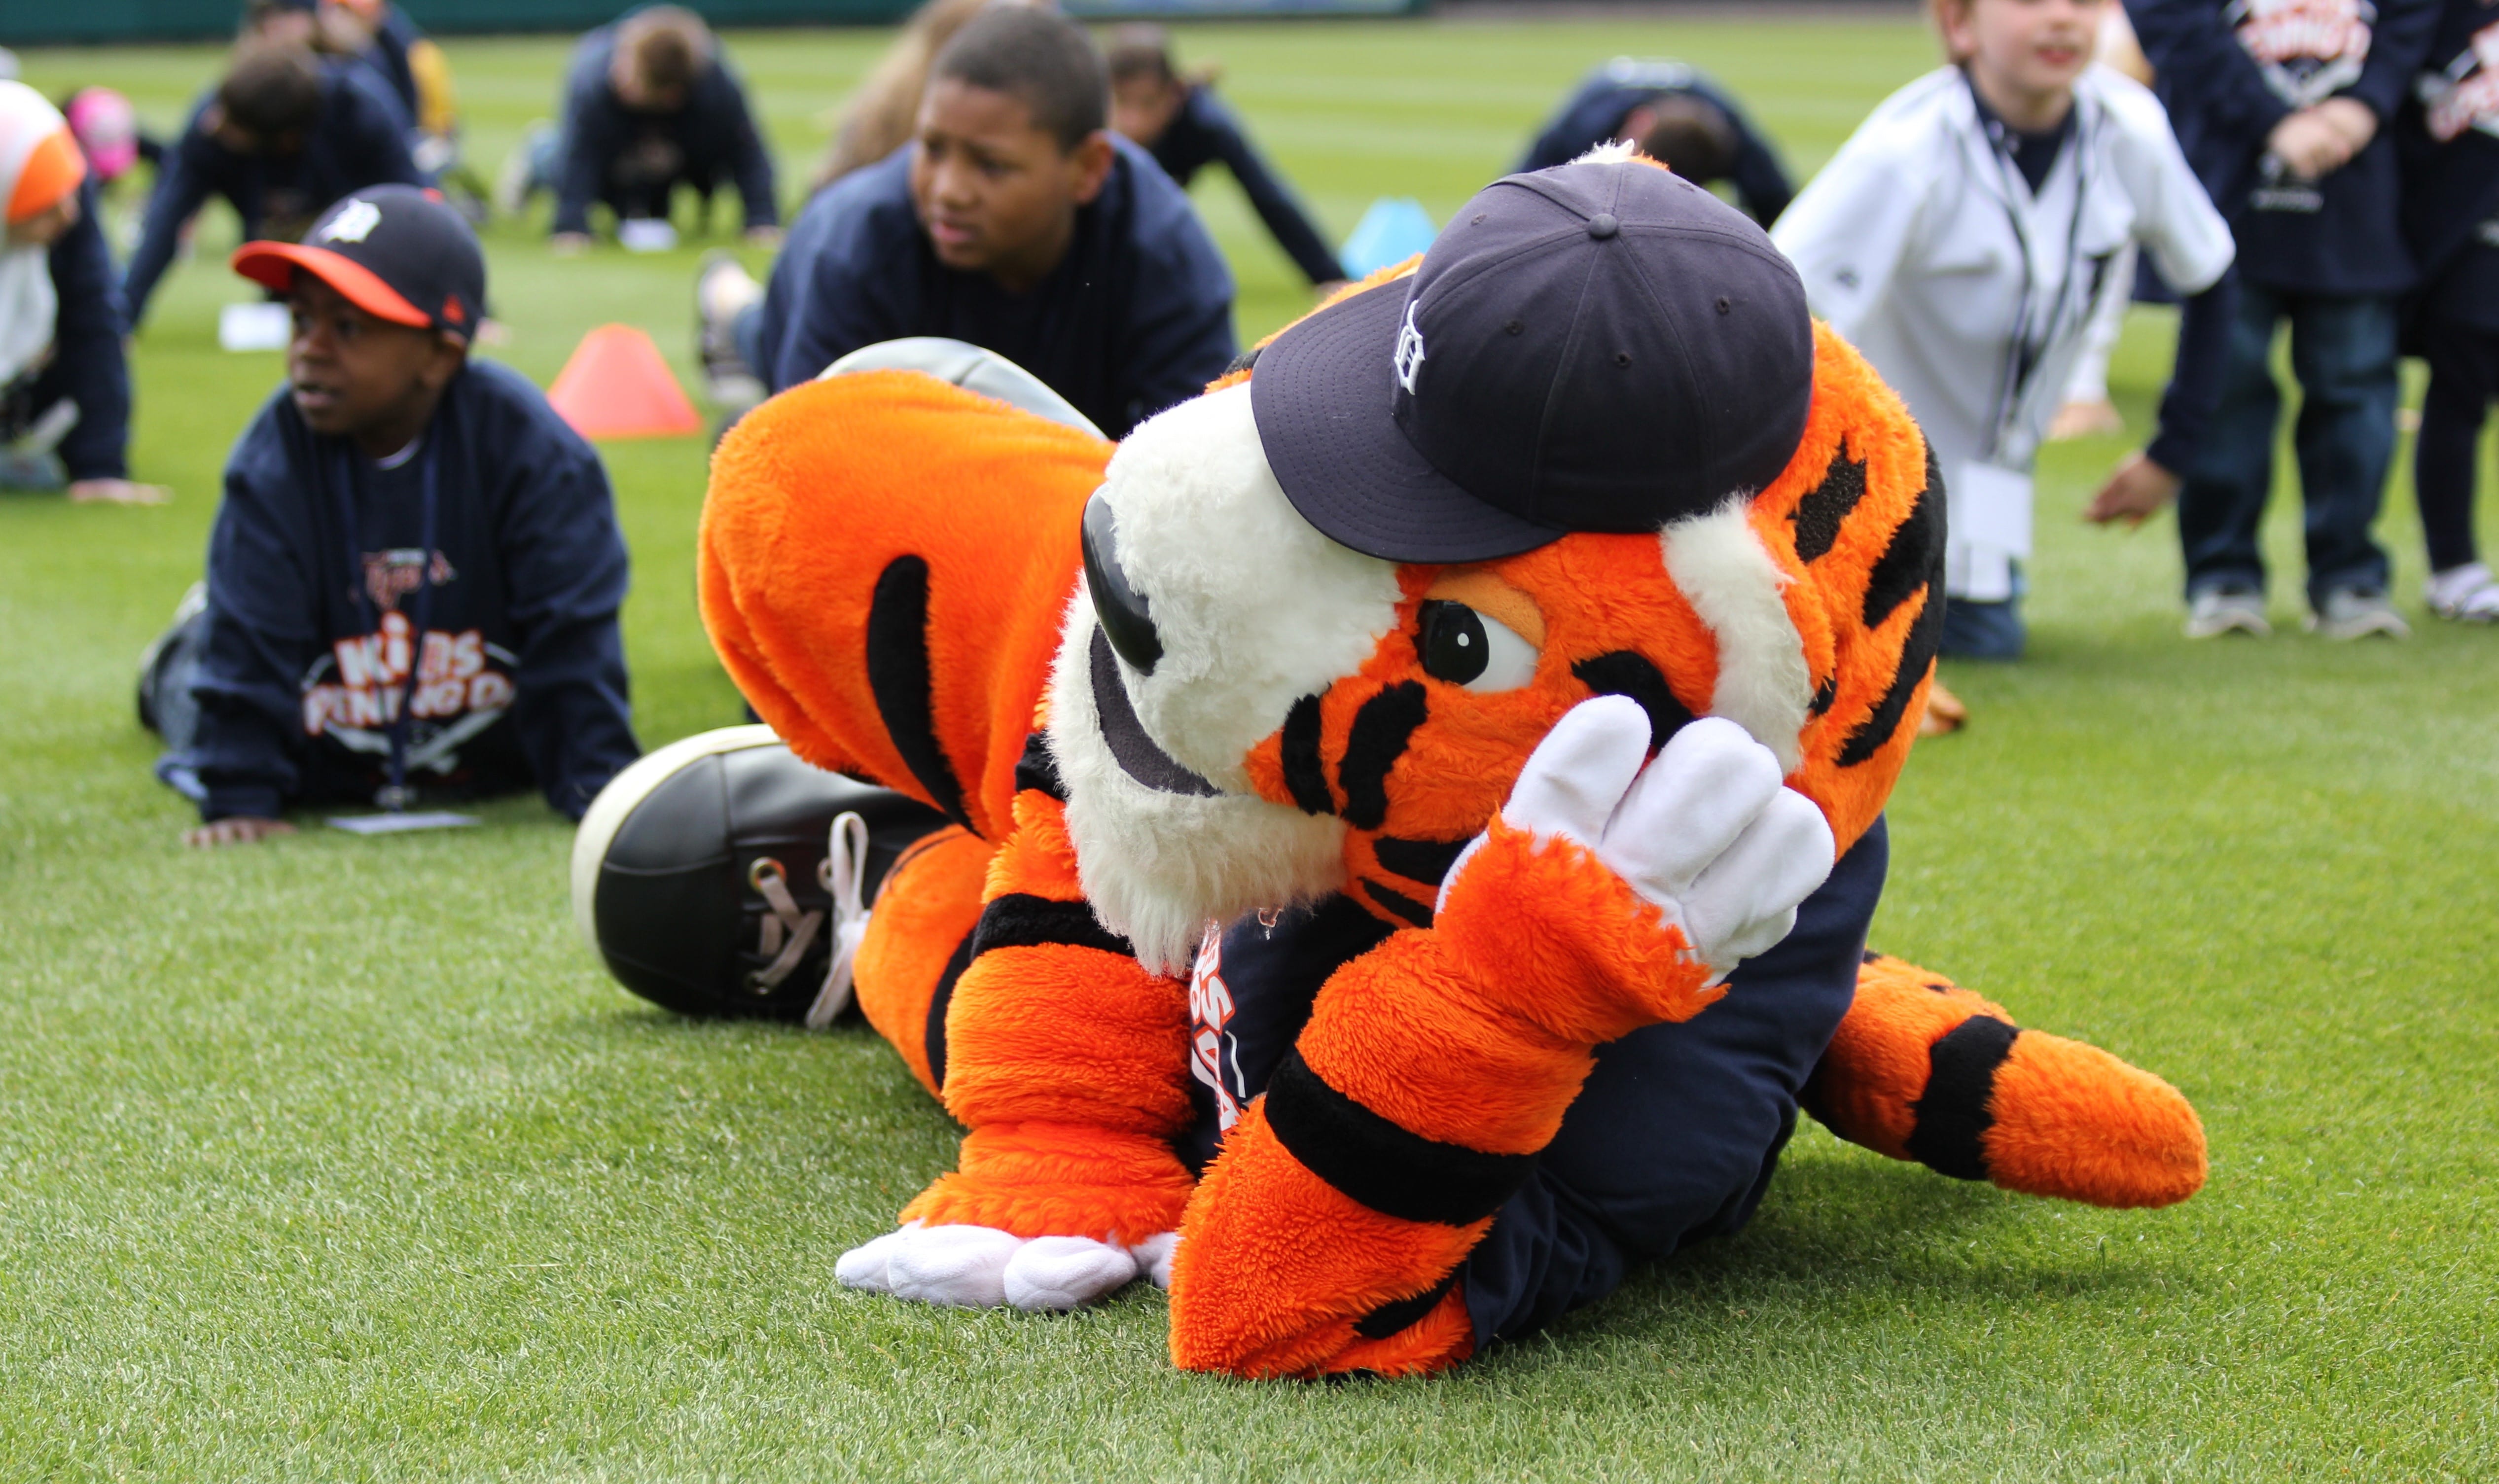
1120	608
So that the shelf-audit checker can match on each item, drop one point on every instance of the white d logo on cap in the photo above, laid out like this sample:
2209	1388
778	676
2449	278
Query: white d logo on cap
1409	352
353	223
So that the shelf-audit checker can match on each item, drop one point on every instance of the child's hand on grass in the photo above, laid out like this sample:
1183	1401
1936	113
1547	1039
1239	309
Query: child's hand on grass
568	245
235	829
2139	489
116	492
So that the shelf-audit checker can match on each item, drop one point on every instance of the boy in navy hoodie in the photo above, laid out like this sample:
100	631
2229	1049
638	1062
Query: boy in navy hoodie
415	578
280	138
2282	108
2451	145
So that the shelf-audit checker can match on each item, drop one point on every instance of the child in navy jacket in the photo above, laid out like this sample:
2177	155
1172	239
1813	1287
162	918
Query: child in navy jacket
2281	106
2450	140
280	138
650	105
413	581
1181	122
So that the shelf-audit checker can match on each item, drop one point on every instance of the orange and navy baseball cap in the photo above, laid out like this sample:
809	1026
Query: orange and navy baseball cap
394	252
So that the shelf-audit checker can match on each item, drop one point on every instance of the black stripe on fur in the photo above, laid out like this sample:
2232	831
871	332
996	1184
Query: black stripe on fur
1380	1165
1037	769
933	1036
1381	729
1953	1114
1917	655
1818	516
1625	673
897	677
1021	920
1425	861
1392	900
1305	773
1401	1313
1915	555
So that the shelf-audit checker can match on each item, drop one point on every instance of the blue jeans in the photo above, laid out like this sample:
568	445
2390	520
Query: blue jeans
2343	350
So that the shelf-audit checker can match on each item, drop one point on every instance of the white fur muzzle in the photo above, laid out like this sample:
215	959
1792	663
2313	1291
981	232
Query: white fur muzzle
1254	610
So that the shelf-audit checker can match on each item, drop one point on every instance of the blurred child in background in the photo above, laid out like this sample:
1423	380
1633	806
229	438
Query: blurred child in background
280	136
880	117
414	576
1674	114
64	386
1963	238
405	57
2449	142
650	105
2281	106
1185	128
1015	221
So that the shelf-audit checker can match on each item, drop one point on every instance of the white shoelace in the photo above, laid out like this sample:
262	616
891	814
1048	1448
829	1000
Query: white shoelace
788	932
843	874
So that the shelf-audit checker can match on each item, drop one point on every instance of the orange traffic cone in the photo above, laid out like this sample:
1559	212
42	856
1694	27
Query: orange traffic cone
617	386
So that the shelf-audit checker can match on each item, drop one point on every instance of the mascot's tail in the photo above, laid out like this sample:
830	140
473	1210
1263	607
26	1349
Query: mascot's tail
884	560
1925	1070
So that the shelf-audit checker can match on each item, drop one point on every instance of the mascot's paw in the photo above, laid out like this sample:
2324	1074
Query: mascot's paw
1155	1256
1706	833
979	1267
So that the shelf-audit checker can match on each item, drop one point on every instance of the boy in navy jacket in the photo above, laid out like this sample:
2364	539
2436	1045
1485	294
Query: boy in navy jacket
2450	140
280	138
650	105
413	581
2282	106
1675	114
1185	128
1014	221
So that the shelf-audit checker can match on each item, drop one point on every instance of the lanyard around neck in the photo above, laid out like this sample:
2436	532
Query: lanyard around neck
395	796
2023	355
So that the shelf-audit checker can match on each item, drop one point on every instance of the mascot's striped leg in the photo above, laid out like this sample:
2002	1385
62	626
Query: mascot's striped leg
885	563
1923	1070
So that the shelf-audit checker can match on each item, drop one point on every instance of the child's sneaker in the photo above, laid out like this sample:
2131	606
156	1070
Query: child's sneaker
2217	611
2467	594
2355	613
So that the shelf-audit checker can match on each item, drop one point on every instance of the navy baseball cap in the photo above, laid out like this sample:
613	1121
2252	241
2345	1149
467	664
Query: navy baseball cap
1600	346
394	252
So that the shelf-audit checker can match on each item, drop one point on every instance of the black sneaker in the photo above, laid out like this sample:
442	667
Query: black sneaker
701	875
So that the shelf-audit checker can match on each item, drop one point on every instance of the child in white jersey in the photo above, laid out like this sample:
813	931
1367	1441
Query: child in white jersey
1963	238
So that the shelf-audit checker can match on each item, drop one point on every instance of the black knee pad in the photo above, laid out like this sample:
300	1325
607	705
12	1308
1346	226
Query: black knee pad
679	859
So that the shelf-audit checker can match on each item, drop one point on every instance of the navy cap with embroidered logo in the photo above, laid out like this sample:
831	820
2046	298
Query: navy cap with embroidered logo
1600	346
394	252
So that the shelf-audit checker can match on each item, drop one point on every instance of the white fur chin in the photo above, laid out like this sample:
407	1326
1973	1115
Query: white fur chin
1158	867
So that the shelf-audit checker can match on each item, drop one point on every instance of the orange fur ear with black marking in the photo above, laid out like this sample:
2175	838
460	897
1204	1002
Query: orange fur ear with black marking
884	561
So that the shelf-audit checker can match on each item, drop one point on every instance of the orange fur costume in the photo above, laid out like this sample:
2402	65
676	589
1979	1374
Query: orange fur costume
891	571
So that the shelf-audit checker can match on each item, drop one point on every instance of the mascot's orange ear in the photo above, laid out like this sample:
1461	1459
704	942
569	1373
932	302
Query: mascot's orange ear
899	624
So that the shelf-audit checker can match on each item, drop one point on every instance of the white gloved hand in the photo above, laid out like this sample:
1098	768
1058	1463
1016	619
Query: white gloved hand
1706	833
979	1267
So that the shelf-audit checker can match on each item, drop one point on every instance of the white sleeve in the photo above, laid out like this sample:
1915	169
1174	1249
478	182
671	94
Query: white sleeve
1852	226
2174	220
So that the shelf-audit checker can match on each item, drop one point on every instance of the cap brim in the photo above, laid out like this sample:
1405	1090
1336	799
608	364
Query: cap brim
1321	395
272	266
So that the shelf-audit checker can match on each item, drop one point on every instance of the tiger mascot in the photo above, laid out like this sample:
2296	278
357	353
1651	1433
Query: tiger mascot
1390	886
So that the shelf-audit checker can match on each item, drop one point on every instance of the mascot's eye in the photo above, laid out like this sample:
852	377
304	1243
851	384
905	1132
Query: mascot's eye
1474	650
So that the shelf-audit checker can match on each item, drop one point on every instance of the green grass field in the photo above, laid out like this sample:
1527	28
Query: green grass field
341	1158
